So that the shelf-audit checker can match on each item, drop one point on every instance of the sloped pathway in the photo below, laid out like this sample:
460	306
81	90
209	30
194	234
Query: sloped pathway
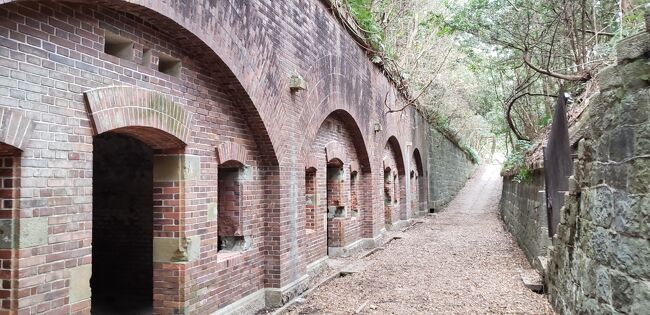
459	261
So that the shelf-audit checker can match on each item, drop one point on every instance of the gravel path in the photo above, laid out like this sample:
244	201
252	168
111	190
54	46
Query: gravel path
460	261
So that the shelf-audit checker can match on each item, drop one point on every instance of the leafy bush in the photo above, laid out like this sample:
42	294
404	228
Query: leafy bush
516	162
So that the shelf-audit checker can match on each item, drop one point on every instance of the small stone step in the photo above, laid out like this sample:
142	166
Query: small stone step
532	280
354	267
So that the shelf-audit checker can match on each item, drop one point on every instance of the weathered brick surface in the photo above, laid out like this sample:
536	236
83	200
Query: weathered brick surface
394	189
231	101
448	168
9	184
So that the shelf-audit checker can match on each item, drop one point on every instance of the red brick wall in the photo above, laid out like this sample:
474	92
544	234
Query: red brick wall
334	182
310	199
9	183
394	185
237	58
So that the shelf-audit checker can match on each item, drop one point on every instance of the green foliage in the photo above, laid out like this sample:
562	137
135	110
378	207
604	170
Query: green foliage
516	162
471	153
361	10
545	120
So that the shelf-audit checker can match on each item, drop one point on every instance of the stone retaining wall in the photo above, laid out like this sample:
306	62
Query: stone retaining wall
449	169
600	259
523	210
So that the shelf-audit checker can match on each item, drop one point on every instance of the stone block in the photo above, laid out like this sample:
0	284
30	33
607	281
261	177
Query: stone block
635	74
32	232
609	78
176	167
173	249
167	168
212	211
641	298
80	283
6	234
622	292
192	168
633	47
632	256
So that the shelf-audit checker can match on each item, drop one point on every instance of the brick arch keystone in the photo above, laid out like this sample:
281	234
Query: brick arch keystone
132	110
335	150
354	167
311	162
230	151
15	128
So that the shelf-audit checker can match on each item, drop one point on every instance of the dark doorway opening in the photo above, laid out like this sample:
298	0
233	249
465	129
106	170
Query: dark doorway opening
335	201
122	246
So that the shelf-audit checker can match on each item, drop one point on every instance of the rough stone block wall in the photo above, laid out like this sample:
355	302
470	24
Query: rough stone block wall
600	258
523	210
449	168
230	101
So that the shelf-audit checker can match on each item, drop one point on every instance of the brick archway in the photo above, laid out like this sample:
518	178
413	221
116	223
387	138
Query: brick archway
418	191
394	145
394	160
132	110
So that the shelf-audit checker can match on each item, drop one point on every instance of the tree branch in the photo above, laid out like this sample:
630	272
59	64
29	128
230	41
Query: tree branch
578	78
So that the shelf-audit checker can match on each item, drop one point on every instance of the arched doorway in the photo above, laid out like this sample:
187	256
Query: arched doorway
395	182
122	231
336	205
418	186
138	189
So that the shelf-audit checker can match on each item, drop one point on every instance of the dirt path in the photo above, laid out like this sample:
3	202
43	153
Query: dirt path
460	261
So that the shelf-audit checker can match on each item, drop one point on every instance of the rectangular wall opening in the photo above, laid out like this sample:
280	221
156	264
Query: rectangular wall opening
354	194
229	216
146	57
118	46
122	225
335	197
169	65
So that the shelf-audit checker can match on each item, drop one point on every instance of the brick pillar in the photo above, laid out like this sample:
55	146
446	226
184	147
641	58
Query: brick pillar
310	199
415	208
171	249
9	183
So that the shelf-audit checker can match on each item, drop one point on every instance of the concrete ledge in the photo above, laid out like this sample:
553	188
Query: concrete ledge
317	265
399	225
249	304
357	246
276	297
